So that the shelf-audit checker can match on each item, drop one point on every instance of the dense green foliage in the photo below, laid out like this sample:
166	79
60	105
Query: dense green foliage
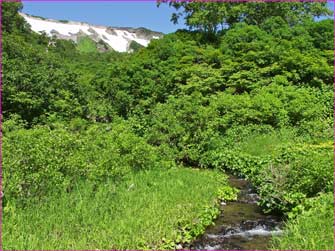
11	21
61	157
255	99
285	171
211	17
300	233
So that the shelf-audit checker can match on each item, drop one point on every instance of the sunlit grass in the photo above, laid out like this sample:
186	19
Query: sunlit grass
86	44
312	230
264	144
138	213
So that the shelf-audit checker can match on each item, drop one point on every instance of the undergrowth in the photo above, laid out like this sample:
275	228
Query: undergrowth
149	210
313	229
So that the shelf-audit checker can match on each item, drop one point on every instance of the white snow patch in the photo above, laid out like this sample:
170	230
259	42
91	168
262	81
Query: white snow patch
119	42
40	25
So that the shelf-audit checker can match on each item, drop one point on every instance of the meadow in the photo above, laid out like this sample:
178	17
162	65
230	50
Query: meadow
108	150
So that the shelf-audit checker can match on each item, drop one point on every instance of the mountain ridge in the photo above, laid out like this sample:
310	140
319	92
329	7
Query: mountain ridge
116	38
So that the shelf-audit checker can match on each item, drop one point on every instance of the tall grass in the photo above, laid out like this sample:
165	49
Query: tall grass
139	213
312	230
264	144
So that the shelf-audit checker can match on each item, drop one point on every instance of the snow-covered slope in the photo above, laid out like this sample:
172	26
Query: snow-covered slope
118	39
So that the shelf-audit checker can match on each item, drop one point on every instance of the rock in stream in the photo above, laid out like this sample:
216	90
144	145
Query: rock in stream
241	224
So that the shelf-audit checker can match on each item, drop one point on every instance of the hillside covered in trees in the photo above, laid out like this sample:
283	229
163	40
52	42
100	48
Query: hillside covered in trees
132	150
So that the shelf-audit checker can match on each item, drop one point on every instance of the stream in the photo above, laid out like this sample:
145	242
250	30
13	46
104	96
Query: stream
241	224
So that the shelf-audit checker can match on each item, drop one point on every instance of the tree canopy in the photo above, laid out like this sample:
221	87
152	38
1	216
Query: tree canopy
212	17
11	21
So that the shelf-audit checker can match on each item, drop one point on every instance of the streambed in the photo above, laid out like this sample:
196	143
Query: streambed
241	224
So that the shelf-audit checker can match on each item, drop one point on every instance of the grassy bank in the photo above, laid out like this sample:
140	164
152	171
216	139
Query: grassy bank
150	209
312	230
289	172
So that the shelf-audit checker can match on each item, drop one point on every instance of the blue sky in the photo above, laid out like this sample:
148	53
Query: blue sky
113	13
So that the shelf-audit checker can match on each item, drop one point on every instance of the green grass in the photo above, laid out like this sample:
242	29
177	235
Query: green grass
312	230
135	46
146	208
264	144
86	45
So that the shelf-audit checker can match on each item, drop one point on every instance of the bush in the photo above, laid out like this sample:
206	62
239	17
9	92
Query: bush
41	159
312	230
284	173
295	173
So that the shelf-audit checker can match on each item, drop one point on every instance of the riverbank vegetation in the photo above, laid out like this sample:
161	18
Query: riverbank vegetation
127	151
152	209
300	232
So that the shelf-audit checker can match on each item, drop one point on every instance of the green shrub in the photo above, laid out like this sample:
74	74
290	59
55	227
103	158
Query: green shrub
40	160
284	174
313	229
296	173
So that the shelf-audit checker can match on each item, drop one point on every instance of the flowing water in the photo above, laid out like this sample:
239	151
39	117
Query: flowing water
241	224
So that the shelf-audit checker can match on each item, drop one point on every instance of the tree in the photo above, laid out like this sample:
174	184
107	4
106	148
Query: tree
199	15
211	17
11	20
